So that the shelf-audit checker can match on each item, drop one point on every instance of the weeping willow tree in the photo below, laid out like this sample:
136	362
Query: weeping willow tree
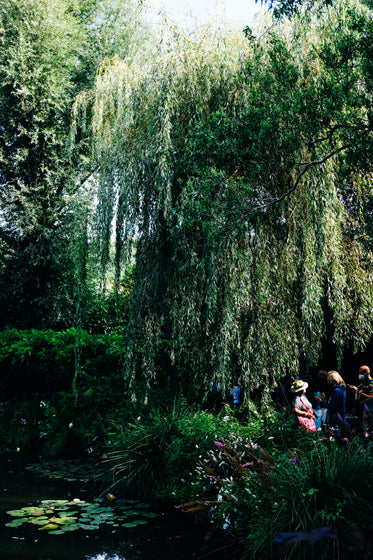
242	170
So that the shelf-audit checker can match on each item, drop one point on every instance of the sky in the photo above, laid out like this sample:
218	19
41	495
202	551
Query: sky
239	12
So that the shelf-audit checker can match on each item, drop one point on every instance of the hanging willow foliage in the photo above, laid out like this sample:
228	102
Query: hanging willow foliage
242	171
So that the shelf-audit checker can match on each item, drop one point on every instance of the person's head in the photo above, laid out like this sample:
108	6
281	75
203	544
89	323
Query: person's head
298	387
322	373
334	378
364	373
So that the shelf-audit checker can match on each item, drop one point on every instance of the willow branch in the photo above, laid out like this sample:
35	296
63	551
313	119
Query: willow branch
85	179
300	175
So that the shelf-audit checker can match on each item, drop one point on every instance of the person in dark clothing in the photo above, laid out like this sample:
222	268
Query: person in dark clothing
365	389
336	404
281	394
322	384
214	401
321	392
364	397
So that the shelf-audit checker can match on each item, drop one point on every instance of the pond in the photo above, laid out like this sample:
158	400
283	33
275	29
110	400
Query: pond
86	527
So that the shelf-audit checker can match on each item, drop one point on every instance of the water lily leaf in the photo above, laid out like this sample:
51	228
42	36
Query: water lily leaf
134	523
149	514
65	520
129	513
26	511
87	527
49	527
70	527
98	508
76	501
56	532
16	522
34	511
16	513
38	520
55	502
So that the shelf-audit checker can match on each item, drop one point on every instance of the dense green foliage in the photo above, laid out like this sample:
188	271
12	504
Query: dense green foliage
288	8
285	501
277	491
44	361
49	51
200	206
243	168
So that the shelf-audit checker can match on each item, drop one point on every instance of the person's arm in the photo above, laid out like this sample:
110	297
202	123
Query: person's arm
303	413
370	396
329	405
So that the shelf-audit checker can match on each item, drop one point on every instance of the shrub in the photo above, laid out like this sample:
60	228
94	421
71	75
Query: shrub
20	422
155	455
43	361
330	486
319	495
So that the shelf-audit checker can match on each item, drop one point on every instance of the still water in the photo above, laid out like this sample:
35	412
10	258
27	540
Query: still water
167	535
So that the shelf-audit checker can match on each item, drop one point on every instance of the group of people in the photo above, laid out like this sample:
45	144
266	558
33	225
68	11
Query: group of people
326	404
215	395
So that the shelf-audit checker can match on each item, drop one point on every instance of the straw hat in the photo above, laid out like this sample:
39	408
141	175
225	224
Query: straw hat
298	385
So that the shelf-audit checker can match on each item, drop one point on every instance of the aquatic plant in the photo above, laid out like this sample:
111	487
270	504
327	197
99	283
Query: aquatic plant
82	470
60	516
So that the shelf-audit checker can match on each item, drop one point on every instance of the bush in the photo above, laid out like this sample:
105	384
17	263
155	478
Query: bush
43	361
155	455
38	367
329	486
20	422
319	494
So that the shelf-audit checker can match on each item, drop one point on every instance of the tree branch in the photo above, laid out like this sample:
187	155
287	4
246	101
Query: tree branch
300	175
85	179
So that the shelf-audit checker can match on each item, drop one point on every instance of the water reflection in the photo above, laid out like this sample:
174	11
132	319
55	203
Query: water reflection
106	557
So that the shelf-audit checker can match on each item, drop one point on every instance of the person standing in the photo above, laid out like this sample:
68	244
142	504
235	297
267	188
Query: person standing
337	402
236	394
364	399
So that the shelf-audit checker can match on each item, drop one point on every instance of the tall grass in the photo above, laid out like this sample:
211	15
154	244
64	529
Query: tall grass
329	486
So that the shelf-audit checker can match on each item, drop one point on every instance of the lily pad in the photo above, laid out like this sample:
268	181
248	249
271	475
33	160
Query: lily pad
70	527
49	527
65	520
134	523
34	511
76	501
87	527
59	516
42	520
16	522
55	502
68	513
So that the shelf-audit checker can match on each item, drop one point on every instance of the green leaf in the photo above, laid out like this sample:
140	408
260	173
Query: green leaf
134	523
